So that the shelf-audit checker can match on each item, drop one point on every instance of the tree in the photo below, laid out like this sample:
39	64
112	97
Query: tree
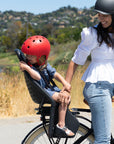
13	32
5	43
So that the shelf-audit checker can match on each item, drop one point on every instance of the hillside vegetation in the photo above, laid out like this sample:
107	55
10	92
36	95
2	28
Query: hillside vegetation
63	17
60	26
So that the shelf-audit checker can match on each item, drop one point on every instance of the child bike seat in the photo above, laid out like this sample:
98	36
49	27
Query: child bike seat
40	96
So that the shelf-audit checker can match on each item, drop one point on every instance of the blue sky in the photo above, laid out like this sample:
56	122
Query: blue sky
42	6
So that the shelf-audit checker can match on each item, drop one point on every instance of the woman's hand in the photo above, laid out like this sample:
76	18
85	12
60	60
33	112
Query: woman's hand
66	87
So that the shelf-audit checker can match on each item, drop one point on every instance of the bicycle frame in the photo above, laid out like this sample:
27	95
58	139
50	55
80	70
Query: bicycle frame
90	131
76	112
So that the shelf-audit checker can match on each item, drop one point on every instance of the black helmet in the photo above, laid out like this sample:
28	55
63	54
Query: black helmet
105	6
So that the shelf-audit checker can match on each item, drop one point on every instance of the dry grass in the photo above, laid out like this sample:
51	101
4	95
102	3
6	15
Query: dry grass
77	87
77	90
15	99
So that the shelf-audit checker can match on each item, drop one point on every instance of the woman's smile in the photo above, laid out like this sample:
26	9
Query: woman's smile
106	20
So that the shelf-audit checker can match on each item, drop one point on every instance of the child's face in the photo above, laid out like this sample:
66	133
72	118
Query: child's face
32	59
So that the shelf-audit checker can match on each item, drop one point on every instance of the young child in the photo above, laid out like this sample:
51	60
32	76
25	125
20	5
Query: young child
37	49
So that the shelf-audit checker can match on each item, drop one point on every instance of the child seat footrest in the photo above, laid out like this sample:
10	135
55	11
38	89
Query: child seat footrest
71	123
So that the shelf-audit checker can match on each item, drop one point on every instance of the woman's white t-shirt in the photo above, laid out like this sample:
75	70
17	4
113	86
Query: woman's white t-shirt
101	67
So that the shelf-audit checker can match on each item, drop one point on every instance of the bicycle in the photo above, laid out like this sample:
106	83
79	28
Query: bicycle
45	132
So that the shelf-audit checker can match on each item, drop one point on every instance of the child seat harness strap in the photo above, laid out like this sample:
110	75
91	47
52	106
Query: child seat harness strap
48	84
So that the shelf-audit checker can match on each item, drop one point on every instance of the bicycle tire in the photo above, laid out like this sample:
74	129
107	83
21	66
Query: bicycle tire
38	136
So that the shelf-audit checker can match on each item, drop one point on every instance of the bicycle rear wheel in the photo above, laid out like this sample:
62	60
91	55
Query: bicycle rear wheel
39	136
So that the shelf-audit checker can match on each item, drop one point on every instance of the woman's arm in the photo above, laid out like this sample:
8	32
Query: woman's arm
34	74
69	75
70	71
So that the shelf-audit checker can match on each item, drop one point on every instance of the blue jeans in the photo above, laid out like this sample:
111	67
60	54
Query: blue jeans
98	96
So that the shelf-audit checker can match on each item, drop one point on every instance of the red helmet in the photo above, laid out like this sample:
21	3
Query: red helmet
36	45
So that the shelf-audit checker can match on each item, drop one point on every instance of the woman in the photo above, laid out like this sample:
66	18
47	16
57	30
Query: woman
99	76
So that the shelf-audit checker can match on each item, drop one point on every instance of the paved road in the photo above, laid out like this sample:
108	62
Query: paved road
13	130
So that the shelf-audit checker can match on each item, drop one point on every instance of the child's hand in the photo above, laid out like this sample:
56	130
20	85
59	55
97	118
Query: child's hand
34	74
23	66
66	87
65	97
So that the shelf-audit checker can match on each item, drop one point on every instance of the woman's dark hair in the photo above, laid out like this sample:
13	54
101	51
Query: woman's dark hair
103	35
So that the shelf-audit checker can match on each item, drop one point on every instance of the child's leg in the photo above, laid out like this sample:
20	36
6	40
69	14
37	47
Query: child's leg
64	100
62	113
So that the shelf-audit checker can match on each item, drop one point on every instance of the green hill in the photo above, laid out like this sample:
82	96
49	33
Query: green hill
62	28
63	17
